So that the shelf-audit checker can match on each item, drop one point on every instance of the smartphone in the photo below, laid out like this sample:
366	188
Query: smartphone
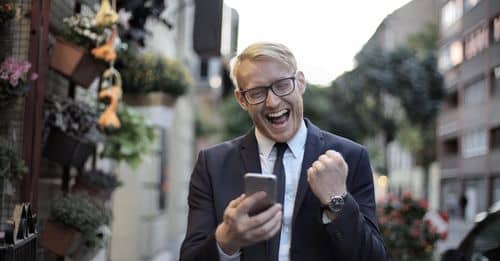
255	182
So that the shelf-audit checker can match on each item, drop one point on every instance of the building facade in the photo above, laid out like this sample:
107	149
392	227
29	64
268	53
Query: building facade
469	120
393	32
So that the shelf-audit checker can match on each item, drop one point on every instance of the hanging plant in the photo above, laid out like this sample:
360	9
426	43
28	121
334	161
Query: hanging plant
7	12
12	84
148	73
12	167
132	141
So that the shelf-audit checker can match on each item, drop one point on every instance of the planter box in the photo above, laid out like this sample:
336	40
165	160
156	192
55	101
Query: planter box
67	150
149	99
60	239
75	63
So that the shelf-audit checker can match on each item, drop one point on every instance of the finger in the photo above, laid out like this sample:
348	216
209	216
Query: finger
325	159
235	202
318	166
248	202
263	217
266	230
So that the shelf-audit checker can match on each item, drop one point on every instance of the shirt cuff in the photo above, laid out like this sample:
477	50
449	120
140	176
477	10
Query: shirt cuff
225	257
325	219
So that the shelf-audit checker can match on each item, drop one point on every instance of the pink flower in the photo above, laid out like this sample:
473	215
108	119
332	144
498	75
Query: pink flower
34	76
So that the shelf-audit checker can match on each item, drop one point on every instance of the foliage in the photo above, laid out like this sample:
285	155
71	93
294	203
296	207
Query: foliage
71	117
7	12
12	83
100	179
81	213
236	120
202	128
82	31
12	167
152	73
406	233
132	141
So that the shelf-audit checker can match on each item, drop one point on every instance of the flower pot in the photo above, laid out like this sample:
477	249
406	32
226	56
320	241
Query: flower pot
60	239
75	63
67	150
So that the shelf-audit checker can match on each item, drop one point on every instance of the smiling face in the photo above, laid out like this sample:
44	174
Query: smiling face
278	118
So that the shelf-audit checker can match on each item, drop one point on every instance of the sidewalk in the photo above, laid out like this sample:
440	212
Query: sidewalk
457	230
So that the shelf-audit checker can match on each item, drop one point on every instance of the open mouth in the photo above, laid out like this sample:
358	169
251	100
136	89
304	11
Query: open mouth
278	117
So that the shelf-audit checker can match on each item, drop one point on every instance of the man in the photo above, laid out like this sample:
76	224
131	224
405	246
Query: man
328	207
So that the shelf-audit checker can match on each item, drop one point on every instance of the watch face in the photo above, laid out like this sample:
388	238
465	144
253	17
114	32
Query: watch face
336	203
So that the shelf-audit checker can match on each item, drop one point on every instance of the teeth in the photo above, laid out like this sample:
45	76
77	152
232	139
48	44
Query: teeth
277	114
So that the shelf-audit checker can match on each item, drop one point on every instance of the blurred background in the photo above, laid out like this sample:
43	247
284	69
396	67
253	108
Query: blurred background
104	105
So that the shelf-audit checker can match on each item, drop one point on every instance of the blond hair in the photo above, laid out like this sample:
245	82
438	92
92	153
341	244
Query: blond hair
262	51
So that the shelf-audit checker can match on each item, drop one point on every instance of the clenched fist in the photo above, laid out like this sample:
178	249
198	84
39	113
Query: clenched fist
327	176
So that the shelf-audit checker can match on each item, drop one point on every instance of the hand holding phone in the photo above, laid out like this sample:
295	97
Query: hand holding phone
255	182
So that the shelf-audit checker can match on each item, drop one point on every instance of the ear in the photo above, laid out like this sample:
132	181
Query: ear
301	82
240	99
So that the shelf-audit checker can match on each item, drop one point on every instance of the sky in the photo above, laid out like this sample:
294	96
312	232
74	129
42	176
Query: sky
324	35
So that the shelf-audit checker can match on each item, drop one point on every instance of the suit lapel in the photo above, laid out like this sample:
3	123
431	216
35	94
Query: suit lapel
313	148
249	152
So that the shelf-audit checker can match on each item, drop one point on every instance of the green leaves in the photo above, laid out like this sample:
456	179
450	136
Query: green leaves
12	167
81	213
132	141
145	73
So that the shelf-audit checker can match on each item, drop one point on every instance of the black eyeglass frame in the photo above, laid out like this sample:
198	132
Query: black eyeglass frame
270	86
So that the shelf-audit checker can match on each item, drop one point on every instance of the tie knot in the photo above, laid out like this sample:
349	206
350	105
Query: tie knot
280	147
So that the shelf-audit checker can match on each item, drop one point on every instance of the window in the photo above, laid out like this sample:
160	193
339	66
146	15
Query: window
476	41
451	55
452	100
475	93
450	147
495	138
474	143
451	12
496	28
469	4
495	84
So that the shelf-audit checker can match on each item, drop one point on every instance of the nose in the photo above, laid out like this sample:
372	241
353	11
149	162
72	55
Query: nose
272	99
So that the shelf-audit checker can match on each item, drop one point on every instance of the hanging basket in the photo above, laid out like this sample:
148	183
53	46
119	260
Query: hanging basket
75	63
60	239
67	150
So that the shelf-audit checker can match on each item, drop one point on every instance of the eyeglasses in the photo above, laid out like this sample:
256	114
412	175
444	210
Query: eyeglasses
280	88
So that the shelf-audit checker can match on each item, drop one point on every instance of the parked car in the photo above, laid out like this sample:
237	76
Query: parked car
482	243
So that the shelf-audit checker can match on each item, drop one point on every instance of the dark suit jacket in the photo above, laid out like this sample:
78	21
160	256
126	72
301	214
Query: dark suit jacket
218	178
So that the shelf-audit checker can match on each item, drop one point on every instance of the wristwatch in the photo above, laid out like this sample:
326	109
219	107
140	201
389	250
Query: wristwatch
336	203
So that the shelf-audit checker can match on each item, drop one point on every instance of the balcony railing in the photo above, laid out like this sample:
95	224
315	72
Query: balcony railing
22	250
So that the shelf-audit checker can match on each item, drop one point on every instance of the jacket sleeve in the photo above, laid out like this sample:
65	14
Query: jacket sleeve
354	232
199	243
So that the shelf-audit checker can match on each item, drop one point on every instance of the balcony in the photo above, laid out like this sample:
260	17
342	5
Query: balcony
447	122
495	161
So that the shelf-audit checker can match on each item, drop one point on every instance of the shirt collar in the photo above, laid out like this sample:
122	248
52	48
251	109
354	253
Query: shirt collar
295	144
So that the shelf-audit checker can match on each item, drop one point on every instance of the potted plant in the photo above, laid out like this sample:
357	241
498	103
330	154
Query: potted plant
71	51
12	84
12	167
70	132
407	234
75	221
132	141
97	183
152	79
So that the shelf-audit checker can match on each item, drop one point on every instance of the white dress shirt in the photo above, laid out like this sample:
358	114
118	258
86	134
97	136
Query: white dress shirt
292	161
